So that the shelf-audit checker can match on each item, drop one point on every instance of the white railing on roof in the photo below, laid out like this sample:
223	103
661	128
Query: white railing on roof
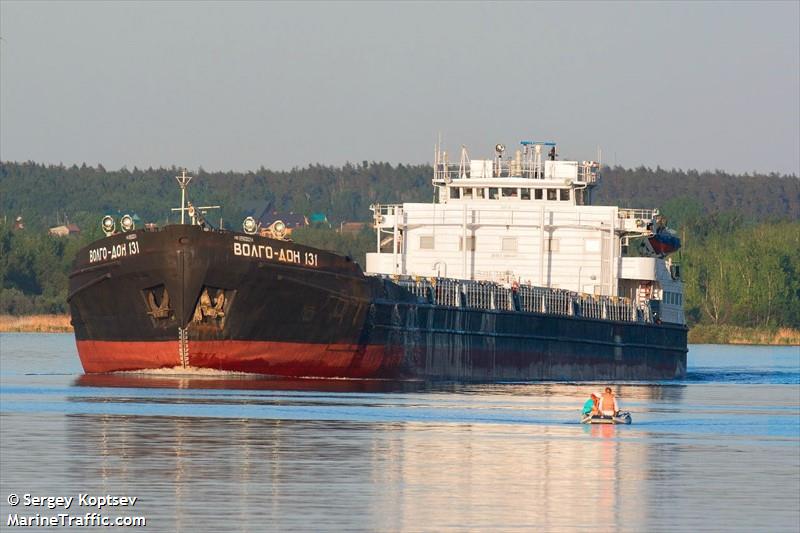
446	172
386	209
638	214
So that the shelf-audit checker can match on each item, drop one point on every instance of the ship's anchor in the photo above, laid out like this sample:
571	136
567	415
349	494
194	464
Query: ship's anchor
161	310
207	308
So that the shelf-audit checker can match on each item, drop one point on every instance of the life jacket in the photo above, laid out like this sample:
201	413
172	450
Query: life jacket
608	403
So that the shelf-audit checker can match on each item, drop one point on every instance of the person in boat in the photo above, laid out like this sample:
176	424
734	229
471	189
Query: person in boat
592	405
608	403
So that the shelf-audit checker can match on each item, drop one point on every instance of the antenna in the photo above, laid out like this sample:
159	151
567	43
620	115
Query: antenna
439	163
463	162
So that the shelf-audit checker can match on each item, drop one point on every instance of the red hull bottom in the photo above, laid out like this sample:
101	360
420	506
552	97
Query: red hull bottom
258	357
113	356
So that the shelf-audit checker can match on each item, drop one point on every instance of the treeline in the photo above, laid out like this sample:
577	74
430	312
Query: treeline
33	269
753	196
744	276
42	194
739	273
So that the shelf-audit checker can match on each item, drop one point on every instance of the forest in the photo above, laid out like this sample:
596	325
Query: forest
741	233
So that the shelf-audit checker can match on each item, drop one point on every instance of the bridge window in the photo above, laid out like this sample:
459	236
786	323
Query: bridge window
537	194
565	194
466	192
426	242
509	244
551	194
509	192
455	193
525	194
480	193
494	193
673	298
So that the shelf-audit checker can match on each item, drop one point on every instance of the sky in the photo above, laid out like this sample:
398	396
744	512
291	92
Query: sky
237	86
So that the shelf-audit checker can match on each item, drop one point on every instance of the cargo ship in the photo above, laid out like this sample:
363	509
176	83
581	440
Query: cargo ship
509	274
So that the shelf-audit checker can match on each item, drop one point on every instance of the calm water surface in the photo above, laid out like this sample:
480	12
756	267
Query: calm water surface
212	452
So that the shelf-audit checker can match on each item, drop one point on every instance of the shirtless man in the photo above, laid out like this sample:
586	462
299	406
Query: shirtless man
608	403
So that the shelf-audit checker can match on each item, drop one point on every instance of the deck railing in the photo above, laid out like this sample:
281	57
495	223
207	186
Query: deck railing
646	215
524	298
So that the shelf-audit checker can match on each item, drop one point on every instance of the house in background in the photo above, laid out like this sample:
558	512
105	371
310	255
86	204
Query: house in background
268	216
64	230
351	228
291	219
318	219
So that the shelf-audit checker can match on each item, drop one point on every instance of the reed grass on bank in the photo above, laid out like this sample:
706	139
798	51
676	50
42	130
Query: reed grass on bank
740	335
35	324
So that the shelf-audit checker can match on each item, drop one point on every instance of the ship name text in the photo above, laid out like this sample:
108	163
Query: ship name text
115	251
284	255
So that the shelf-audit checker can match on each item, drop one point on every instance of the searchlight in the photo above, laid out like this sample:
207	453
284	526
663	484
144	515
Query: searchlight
108	225
249	225
126	222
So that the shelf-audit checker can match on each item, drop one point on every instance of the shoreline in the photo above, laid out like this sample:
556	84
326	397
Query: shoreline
35	324
701	334
738	335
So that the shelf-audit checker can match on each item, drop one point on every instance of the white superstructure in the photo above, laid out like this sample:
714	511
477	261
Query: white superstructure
527	221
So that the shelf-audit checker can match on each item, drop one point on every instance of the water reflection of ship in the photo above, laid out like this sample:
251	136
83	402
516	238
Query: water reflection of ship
298	473
389	474
630	391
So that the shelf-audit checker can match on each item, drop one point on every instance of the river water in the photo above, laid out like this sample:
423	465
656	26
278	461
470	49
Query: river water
212	452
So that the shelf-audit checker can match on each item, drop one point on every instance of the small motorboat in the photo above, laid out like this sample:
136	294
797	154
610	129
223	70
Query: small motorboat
623	417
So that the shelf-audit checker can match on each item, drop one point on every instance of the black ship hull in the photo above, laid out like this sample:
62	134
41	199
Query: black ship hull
184	297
